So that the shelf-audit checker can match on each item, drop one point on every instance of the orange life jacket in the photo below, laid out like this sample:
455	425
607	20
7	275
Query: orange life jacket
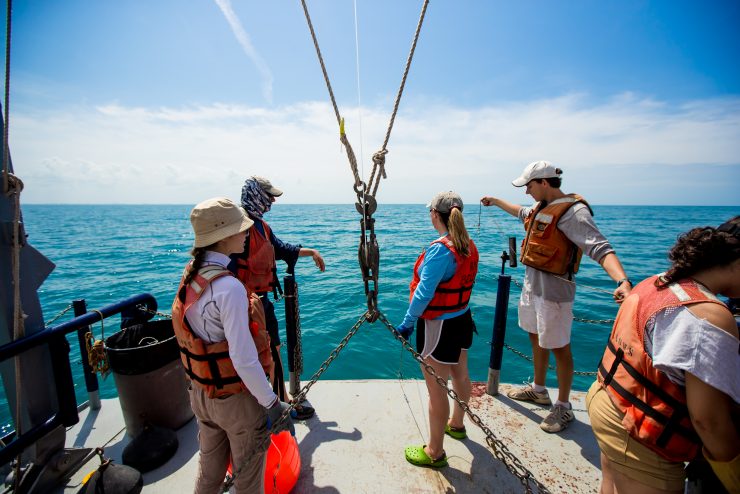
544	246
256	266
454	294
258	329
655	411
208	364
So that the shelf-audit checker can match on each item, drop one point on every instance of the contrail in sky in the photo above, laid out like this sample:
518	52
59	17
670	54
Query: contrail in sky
243	38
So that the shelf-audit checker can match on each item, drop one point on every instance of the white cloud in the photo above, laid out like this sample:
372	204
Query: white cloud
246	44
115	154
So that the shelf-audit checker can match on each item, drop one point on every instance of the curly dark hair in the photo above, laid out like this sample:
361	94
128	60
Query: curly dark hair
703	248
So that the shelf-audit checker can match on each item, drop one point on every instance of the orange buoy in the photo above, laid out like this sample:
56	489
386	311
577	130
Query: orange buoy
283	464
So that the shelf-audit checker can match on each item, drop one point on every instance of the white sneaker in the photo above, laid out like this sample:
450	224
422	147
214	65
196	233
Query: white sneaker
527	393
558	419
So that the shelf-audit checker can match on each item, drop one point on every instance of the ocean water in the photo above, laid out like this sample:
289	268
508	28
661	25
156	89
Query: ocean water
105	253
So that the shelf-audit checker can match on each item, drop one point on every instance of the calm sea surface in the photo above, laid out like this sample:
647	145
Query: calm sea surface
106	253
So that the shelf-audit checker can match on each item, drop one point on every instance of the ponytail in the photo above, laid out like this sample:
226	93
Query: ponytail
458	233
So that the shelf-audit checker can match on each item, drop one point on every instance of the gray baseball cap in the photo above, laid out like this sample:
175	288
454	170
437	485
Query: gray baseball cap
445	201
267	186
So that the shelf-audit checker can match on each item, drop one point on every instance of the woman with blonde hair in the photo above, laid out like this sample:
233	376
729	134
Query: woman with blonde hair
440	291
669	382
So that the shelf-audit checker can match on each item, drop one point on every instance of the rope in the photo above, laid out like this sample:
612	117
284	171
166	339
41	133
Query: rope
96	355
6	147
379	157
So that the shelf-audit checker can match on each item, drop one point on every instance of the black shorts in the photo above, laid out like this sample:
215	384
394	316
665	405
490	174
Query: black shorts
455	335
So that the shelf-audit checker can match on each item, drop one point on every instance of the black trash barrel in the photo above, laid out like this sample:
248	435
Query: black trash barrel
152	387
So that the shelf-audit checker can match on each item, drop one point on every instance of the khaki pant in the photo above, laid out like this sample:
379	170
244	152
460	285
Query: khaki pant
236	425
626	454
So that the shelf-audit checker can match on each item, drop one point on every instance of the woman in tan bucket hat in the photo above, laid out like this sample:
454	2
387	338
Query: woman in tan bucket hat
229	394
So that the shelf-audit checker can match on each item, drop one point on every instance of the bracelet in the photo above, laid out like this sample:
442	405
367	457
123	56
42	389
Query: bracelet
619	283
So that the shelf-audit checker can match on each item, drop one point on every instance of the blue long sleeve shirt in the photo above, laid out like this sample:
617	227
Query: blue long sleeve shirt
439	265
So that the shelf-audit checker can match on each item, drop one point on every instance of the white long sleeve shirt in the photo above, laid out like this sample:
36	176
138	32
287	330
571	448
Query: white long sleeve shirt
222	313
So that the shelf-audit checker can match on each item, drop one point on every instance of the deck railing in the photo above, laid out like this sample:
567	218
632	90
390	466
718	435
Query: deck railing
55	338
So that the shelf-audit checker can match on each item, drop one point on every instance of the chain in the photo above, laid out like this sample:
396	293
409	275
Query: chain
527	357
500	451
298	350
607	322
46	325
229	482
144	308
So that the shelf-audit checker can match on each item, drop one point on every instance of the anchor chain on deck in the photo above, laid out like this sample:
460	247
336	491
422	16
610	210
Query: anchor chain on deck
500	451
229	482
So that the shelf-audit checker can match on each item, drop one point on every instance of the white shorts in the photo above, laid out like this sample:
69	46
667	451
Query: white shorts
551	321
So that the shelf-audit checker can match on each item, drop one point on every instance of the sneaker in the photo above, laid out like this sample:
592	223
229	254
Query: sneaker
302	412
527	393
558	419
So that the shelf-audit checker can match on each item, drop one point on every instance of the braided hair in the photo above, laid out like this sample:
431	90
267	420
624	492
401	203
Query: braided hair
703	248
199	255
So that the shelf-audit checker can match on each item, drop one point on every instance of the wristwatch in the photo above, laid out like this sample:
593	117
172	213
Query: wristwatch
619	283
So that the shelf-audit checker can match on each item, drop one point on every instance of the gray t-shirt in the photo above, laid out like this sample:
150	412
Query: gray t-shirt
578	225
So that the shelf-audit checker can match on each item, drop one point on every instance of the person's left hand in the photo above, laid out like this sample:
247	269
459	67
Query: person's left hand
404	331
318	260
622	291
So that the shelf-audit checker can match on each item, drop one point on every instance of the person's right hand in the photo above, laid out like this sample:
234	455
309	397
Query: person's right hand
404	331
273	415
487	200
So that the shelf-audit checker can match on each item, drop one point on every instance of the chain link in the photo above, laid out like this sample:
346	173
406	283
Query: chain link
64	311
298	350
144	308
500	451
607	322
300	396
527	357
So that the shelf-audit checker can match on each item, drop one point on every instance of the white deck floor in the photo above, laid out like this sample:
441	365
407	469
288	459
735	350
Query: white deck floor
355	444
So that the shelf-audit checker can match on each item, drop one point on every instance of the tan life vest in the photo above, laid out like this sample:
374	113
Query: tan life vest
258	329
544	246
655	411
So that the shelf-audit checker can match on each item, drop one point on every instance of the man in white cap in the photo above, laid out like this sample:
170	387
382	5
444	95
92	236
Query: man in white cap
559	229
256	267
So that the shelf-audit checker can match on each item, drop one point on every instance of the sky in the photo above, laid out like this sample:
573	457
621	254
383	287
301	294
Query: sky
175	101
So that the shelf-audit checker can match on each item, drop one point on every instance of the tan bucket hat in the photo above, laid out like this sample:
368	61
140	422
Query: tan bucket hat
216	219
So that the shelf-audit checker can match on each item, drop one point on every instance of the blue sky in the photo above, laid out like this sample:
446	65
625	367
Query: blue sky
175	101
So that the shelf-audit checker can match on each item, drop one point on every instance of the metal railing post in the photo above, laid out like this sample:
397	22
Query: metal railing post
499	334
291	328
91	380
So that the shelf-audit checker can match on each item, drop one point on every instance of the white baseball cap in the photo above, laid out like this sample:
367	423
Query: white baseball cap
535	171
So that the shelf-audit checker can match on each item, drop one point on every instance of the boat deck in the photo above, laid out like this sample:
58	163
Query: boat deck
355	443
